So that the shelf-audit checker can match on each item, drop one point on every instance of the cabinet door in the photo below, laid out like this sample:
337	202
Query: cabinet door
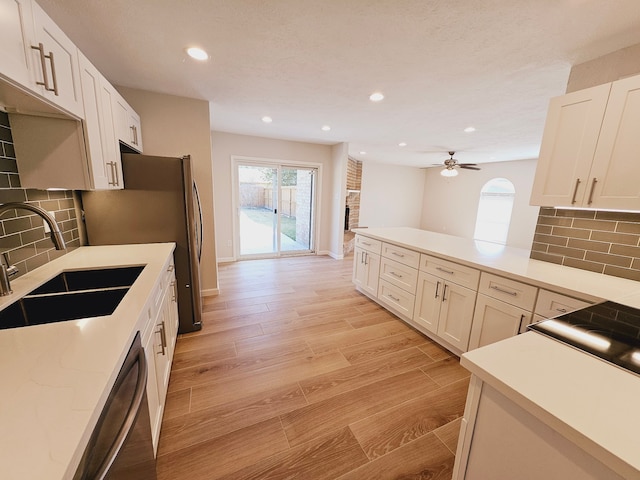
155	409
616	165
98	129
366	269
127	123
16	36
56	65
428	301
568	147
456	315
495	320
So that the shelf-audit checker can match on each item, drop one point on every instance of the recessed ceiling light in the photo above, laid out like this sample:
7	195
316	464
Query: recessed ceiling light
197	53
326	128
376	97
402	144
266	119
470	129
363	153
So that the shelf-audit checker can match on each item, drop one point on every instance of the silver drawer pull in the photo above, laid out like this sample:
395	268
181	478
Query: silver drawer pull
366	243
395	274
450	272
498	289
561	310
393	298
398	254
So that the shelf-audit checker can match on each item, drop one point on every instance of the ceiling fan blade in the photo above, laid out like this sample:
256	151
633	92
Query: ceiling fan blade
468	167
471	164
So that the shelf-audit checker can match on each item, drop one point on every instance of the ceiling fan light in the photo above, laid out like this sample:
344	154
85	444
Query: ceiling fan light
449	172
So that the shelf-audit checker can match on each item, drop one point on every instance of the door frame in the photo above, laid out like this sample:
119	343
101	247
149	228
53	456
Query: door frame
237	160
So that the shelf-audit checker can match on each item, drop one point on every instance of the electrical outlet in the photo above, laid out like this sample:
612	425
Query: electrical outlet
229	243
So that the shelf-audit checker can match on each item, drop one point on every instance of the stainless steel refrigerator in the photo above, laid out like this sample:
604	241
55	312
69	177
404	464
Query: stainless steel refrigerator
159	203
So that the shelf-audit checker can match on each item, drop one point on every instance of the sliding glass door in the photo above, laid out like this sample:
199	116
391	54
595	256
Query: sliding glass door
276	206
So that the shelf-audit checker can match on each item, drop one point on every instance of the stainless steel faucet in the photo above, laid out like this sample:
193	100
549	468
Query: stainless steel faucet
56	236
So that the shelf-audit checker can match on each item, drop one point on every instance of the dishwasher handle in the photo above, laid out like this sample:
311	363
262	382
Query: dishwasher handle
134	408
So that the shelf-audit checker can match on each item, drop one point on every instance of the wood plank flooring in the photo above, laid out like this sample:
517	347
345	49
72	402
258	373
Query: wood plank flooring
297	375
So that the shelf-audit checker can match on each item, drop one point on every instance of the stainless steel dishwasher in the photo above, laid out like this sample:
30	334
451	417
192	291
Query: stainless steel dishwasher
120	446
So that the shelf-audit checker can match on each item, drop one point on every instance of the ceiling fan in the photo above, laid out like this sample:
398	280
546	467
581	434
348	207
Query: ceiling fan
450	165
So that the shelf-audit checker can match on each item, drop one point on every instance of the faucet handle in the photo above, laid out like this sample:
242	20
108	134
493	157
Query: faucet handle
11	270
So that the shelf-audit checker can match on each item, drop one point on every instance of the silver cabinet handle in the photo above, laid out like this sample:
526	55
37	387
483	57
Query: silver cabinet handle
366	258
163	338
522	317
437	288
53	74
401	255
501	290
43	63
575	191
393	298
117	176
593	187
395	274
444	292
174	296
113	173
450	272
366	243
170	267
133	134
561	310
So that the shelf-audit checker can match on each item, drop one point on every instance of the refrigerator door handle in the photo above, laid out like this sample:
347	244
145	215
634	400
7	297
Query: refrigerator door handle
196	196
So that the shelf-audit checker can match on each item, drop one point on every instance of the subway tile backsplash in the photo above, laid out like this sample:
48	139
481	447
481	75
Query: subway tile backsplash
22	234
603	242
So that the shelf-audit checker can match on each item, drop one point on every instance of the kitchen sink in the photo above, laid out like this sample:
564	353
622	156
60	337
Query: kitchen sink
71	295
74	280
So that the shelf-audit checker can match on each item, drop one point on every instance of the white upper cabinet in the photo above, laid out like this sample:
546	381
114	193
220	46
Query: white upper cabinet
103	155
16	36
568	145
55	64
616	163
128	128
589	152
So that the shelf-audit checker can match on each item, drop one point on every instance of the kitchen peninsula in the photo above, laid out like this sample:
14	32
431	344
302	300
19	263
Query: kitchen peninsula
536	408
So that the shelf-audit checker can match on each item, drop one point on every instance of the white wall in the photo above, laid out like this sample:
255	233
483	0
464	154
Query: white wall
225	145
339	159
391	195
450	204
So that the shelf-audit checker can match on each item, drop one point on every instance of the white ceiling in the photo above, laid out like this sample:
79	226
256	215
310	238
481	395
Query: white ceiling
442	65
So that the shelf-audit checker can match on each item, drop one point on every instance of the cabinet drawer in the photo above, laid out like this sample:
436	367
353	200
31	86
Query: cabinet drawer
510	291
551	304
400	254
396	298
398	274
369	244
456	273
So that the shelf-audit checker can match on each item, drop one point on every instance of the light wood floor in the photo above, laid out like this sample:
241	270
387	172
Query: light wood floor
297	375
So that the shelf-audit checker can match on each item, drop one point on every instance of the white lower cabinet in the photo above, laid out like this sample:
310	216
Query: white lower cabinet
159	339
445	309
495	320
499	440
366	269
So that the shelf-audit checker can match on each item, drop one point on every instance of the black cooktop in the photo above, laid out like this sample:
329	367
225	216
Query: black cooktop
608	330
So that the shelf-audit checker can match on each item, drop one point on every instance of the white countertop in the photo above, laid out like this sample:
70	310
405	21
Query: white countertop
588	401
513	263
55	378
